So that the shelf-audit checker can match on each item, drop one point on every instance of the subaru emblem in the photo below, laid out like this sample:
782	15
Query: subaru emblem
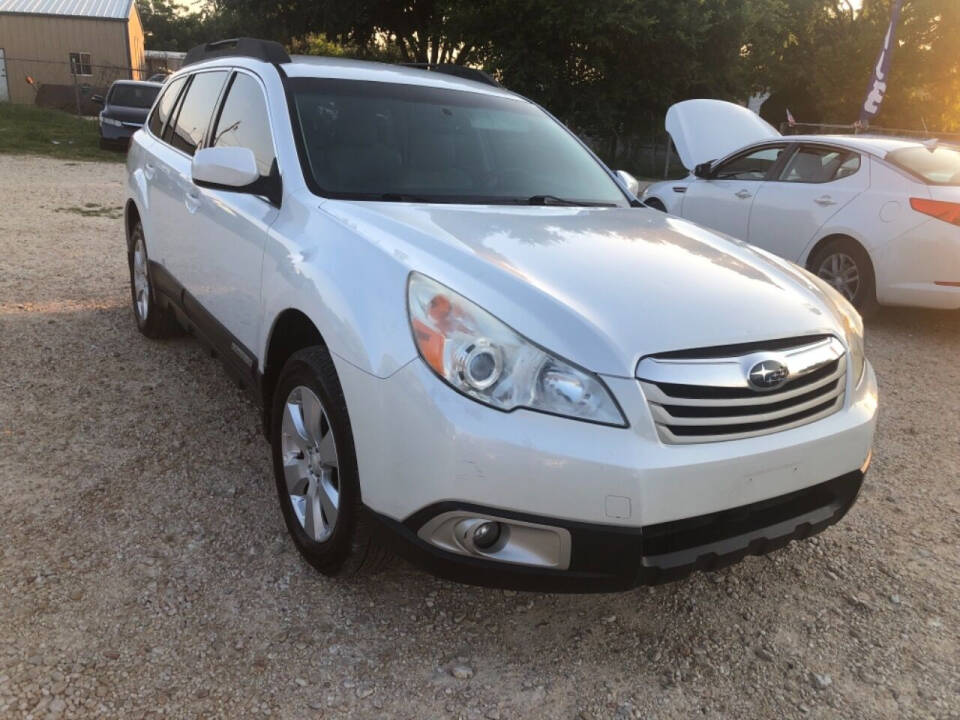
768	375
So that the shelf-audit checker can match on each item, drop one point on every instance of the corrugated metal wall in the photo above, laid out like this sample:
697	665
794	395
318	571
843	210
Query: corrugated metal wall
40	46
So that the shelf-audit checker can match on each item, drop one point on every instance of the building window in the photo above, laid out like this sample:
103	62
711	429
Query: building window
80	64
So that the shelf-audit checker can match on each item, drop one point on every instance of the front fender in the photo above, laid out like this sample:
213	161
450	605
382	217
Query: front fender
363	322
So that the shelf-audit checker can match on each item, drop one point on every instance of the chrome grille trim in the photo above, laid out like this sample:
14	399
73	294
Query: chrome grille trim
687	396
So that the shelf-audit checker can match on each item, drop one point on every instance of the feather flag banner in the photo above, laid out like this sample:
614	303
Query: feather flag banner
878	82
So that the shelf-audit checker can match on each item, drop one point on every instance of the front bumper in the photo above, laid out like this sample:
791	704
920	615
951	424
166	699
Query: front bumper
422	446
118	134
609	558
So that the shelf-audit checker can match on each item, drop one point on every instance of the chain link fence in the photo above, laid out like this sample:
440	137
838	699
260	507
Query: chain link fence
69	85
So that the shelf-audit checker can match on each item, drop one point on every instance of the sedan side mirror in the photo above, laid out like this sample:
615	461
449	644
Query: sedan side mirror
703	170
633	185
98	99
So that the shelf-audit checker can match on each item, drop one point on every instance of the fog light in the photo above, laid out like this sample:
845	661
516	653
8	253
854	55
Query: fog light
486	535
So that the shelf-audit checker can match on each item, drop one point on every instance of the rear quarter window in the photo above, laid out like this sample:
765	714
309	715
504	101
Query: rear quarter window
940	166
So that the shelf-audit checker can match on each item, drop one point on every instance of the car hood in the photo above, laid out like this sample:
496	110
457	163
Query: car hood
705	130
126	114
602	287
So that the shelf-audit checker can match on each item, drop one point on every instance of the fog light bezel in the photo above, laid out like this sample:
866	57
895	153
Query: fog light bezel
518	542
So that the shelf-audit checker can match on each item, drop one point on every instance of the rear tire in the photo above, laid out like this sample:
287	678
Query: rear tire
315	467
846	266
152	320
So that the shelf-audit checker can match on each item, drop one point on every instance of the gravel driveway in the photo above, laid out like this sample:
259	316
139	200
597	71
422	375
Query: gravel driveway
145	570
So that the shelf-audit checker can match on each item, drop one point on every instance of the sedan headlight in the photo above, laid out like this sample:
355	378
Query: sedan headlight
481	357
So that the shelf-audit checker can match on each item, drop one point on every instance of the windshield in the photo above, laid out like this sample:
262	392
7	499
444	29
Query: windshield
387	141
136	96
940	166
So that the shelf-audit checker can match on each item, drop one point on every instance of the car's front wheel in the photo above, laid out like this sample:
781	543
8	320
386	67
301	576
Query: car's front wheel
315	468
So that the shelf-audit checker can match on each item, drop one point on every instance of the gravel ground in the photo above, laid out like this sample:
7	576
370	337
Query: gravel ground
145	570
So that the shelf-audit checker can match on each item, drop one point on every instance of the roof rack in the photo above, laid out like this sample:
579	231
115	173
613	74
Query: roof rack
266	50
460	71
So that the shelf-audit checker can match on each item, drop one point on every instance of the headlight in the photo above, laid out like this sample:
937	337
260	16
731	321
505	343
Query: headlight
852	326
486	360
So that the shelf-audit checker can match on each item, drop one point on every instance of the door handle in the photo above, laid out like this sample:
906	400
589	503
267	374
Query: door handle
825	201
192	200
149	169
744	194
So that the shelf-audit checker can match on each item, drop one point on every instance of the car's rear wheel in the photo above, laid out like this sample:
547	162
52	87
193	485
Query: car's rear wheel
152	320
315	468
846	266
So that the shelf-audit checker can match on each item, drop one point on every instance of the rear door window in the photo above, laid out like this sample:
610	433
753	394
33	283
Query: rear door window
244	122
196	109
820	164
163	109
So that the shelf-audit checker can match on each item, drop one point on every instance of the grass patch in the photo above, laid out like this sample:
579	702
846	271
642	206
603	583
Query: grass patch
30	130
94	210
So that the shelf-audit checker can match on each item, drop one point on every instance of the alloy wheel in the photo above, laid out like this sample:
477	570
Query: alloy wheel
141	282
310	466
841	271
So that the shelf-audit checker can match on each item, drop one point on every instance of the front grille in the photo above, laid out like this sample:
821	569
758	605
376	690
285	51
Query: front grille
698	397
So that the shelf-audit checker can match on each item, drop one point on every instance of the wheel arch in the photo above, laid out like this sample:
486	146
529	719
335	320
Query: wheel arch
292	330
832	237
131	216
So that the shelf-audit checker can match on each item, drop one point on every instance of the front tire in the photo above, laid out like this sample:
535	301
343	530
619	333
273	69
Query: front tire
846	266
315	467
655	203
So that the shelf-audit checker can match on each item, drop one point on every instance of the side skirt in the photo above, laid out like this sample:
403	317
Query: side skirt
239	361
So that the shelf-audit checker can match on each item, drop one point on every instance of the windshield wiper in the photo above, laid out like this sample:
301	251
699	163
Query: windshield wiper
554	200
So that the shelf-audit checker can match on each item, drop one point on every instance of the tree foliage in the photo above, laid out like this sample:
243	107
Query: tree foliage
609	67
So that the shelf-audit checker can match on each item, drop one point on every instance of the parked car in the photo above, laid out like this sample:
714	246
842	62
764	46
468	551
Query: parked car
124	111
876	217
471	344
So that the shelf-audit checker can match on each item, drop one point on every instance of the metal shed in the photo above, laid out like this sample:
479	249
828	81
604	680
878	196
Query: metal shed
67	49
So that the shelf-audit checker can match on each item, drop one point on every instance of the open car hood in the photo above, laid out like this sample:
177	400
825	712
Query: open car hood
705	130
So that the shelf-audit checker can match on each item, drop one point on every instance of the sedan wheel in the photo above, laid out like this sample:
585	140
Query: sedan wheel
841	271
310	464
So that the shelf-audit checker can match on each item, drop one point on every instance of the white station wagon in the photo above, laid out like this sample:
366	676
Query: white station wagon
471	344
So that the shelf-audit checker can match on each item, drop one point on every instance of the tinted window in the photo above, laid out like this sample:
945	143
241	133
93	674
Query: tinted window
940	166
370	139
135	96
243	122
752	166
193	117
819	165
162	111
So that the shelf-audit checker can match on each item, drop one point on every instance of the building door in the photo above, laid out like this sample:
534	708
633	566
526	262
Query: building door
4	93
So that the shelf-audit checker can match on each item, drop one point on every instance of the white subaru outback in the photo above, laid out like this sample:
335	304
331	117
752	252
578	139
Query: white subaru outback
470	343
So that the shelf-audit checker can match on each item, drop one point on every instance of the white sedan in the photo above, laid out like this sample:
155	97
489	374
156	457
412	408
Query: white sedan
876	217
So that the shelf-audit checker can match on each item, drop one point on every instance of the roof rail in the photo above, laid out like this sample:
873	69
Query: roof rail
460	71
266	50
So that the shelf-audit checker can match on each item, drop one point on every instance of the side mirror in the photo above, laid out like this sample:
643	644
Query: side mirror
703	170
633	185
98	99
235	169
225	168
